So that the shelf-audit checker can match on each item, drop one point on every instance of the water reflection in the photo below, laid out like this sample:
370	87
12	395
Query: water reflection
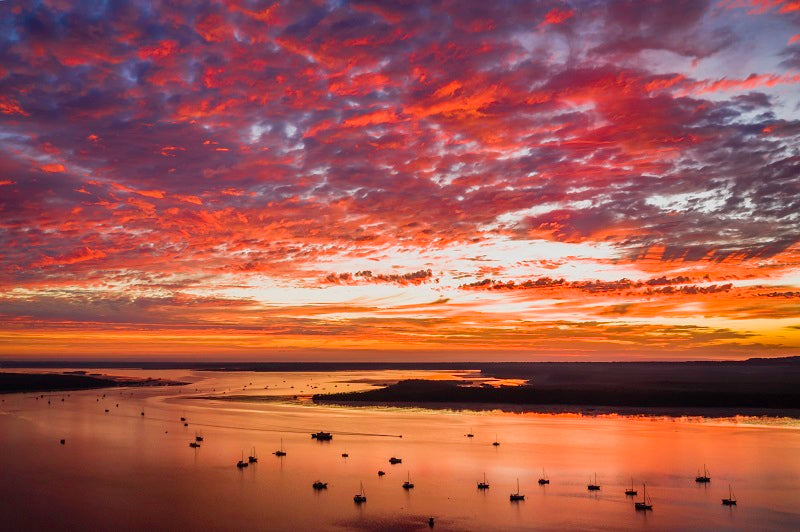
119	469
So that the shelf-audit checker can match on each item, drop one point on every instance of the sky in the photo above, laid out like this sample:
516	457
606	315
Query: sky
504	180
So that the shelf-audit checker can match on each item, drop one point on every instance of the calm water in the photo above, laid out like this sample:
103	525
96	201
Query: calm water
119	470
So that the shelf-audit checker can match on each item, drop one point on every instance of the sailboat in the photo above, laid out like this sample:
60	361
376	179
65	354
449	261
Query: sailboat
544	480
645	503
495	442
197	438
516	496
241	463
704	478
360	496
280	452
470	434
593	486
631	491
252	458
407	485
483	485
731	500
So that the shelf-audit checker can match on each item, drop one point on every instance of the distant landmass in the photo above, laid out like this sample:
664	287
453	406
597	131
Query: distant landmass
53	382
767	386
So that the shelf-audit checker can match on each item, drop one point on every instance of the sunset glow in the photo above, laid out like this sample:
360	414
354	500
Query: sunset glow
555	180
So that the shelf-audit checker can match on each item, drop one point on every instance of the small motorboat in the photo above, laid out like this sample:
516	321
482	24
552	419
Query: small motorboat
319	485
381	473
394	460
322	436
194	444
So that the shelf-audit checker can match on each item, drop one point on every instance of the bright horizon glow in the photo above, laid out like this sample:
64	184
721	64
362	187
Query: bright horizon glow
249	180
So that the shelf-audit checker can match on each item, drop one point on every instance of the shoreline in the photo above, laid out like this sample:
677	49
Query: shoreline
581	410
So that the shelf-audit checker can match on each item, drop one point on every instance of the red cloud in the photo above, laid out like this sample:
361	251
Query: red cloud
557	16
214	28
81	255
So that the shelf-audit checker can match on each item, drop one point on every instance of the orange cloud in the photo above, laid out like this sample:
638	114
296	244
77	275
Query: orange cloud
190	199
447	90
52	167
370	119
9	106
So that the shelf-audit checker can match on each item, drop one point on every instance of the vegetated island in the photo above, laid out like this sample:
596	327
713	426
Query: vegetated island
754	387
56	382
